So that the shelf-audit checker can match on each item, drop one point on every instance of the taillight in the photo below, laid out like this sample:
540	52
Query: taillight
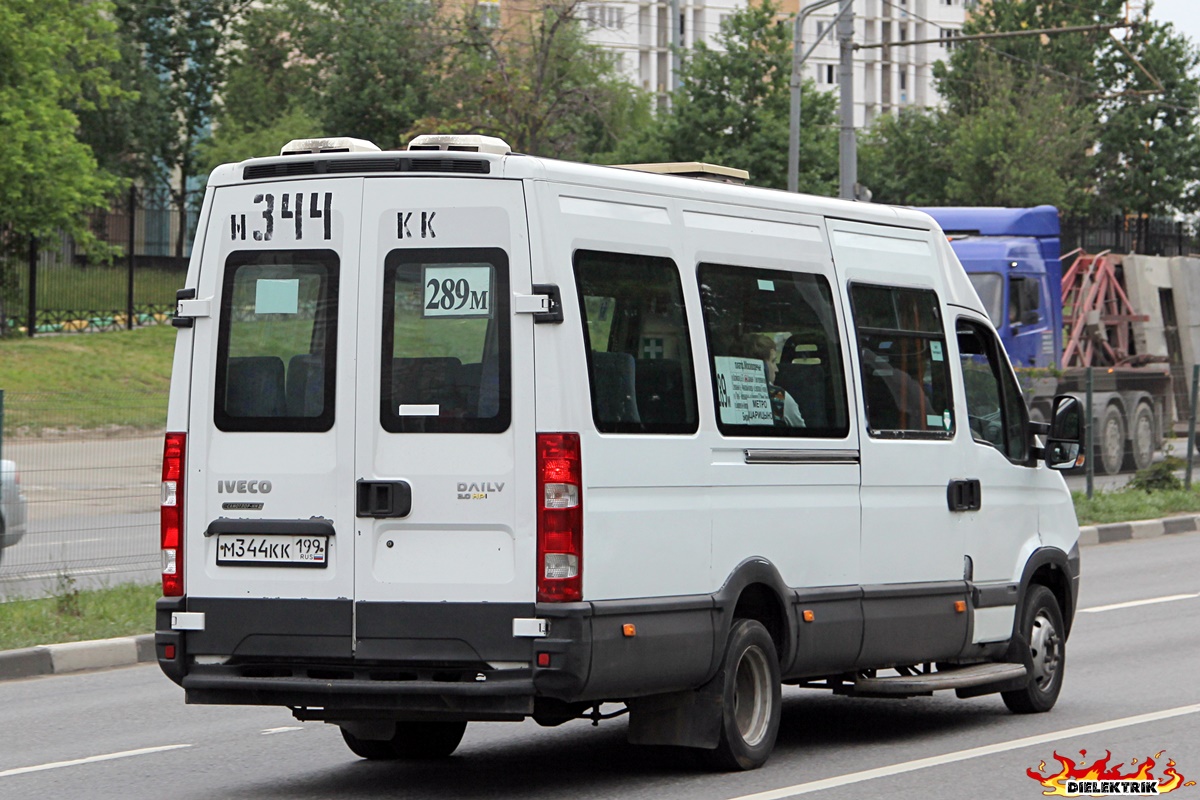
171	514
560	518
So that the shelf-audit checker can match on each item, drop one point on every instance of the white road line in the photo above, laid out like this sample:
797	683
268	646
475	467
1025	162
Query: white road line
145	751
270	731
1136	603
964	755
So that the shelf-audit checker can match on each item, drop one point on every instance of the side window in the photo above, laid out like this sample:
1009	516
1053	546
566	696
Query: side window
638	353
775	354
1024	301
905	375
446	350
277	342
995	407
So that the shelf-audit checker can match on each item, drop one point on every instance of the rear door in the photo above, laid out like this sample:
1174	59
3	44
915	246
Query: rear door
444	421
269	490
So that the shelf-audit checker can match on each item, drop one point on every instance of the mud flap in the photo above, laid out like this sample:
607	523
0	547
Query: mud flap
682	719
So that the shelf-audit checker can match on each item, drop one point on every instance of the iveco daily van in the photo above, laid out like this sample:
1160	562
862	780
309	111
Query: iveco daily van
458	434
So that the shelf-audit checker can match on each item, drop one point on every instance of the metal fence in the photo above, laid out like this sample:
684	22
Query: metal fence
92	492
49	285
1149	236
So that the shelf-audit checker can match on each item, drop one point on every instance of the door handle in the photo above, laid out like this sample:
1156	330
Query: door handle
383	499
964	495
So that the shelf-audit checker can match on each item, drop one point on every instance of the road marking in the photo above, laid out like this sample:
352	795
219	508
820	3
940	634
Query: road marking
270	731
145	751
1135	603
964	755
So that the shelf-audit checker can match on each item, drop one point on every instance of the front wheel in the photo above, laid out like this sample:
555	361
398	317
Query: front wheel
1042	626
411	740
751	699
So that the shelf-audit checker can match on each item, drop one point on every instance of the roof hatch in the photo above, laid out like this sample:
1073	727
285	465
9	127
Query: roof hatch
336	144
463	143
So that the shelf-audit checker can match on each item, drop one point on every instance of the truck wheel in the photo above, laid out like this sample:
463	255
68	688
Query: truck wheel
751	699
1111	441
1141	430
412	740
1042	626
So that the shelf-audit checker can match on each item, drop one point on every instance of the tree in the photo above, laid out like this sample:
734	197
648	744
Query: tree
1020	142
1148	157
55	54
732	108
903	158
272	93
1140	93
373	63
183	46
537	83
1024	144
1069	60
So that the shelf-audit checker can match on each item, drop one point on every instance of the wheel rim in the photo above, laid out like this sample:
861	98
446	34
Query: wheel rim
1044	646
752	696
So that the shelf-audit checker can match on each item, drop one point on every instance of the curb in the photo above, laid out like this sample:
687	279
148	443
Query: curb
1142	529
57	659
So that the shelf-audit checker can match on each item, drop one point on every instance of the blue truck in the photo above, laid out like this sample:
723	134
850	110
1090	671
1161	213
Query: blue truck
1013	257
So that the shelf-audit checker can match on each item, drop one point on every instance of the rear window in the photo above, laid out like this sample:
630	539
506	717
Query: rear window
446	351
277	341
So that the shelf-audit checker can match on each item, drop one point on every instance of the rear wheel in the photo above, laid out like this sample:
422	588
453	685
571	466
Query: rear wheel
1042	626
411	740
1112	441
1141	431
751	699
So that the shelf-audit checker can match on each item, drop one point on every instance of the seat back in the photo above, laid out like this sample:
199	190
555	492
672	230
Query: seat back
614	391
254	387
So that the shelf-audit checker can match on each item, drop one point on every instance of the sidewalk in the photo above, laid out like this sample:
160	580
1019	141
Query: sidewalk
56	659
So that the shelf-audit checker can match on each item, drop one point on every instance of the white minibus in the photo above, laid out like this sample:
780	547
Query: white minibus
458	434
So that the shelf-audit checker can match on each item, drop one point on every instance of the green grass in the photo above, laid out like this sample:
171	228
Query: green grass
1132	504
76	616
88	380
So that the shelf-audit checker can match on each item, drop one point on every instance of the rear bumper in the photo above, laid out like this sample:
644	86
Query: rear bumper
435	660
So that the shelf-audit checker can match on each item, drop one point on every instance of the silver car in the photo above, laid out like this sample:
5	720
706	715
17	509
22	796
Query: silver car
12	507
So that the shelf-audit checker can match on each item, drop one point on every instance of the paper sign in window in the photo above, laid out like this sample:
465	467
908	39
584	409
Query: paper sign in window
276	296
457	290
742	391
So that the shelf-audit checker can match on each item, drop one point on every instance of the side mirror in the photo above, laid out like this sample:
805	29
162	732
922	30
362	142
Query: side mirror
1064	444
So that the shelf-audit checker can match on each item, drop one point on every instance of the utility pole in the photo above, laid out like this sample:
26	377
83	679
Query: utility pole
676	42
847	142
799	56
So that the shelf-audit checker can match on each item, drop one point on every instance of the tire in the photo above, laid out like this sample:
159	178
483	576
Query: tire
412	741
370	749
425	740
751	699
1141	431
1111	441
1042	626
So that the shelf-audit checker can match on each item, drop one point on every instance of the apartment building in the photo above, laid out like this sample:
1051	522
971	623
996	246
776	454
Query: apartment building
885	79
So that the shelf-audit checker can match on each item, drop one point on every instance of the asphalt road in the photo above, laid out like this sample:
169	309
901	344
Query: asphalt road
1130	689
93	513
